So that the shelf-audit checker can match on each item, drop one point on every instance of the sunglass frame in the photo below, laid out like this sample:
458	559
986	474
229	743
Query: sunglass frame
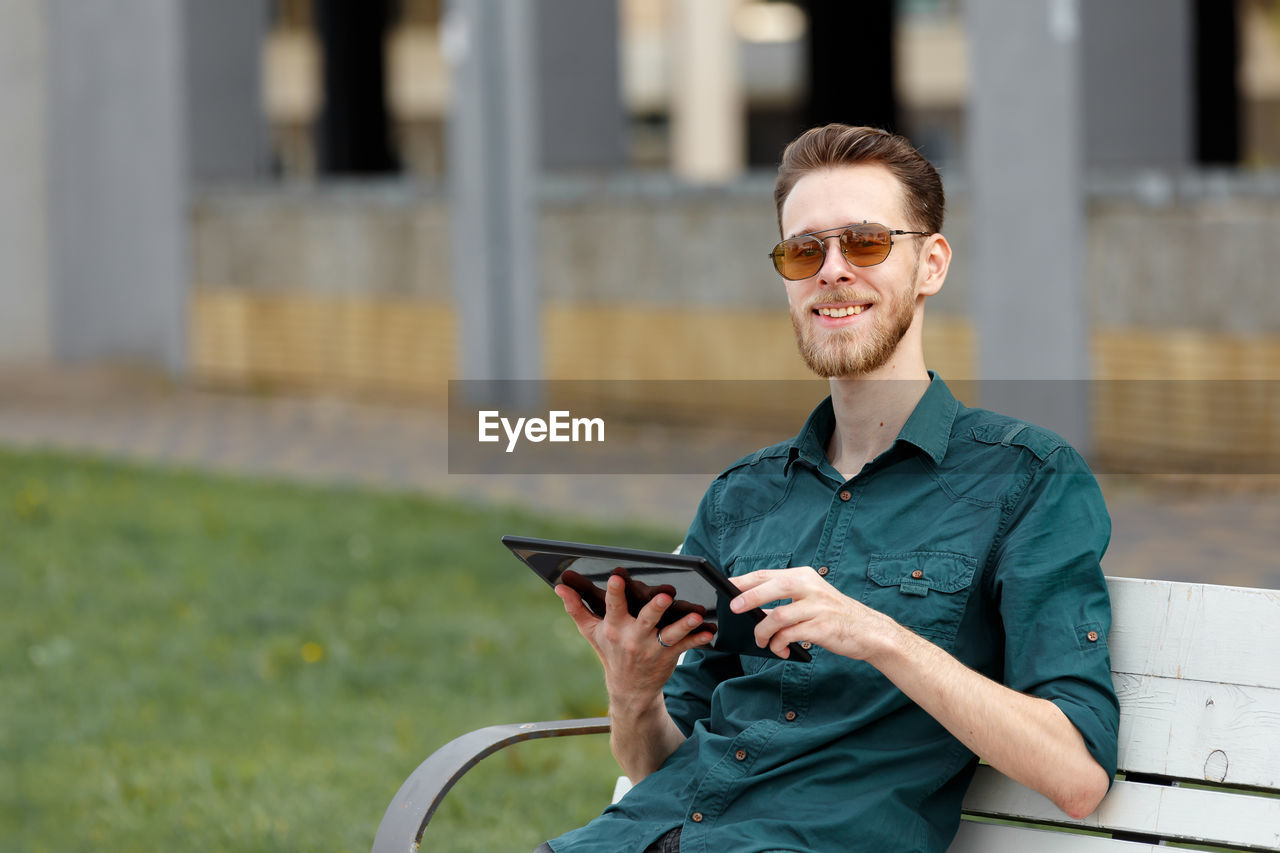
840	232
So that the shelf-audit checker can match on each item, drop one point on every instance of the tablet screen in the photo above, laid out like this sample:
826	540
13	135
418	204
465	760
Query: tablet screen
588	576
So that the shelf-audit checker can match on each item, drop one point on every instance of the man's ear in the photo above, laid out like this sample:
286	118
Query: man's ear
935	259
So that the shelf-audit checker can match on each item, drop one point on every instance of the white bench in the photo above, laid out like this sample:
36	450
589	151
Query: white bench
1197	671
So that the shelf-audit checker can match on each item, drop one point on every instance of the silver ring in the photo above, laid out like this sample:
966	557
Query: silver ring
664	645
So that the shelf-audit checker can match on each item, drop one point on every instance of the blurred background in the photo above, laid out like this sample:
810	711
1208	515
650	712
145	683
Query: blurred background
261	237
376	198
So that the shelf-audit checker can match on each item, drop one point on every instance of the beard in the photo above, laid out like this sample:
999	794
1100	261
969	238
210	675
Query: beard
852	352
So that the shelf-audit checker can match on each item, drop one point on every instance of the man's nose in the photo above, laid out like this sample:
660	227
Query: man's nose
835	266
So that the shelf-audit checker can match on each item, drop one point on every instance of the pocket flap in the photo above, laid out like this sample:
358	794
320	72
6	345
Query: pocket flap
744	564
918	572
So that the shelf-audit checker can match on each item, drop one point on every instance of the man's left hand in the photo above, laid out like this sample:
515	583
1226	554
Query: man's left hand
817	613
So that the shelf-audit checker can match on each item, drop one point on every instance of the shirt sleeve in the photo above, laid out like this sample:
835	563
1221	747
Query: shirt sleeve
688	691
1054	603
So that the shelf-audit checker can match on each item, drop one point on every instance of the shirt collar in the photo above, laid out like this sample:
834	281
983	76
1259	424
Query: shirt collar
928	428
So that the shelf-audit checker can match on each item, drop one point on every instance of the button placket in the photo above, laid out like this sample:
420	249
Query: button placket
797	686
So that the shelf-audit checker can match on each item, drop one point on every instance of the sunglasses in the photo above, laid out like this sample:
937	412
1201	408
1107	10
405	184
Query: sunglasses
862	245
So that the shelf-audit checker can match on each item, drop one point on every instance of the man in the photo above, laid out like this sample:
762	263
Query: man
941	563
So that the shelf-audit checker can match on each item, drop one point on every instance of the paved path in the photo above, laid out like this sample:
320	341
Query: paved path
1226	531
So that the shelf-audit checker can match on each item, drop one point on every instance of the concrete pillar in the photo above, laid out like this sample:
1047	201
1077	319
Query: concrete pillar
1025	165
580	90
225	115
117	179
93	221
25	309
1138	72
492	157
708	105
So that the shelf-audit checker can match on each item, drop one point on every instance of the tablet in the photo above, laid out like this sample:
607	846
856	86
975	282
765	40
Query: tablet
695	584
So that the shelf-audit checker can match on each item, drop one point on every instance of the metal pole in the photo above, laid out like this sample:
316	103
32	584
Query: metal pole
1026	164
492	157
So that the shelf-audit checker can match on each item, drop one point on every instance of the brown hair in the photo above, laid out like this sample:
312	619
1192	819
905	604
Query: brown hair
845	145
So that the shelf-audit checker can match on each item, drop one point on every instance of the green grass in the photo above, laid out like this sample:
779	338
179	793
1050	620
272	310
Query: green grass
209	663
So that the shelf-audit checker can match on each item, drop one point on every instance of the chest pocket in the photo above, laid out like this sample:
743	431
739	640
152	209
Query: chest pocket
926	591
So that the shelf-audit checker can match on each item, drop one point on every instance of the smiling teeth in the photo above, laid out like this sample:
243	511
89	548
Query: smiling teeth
840	312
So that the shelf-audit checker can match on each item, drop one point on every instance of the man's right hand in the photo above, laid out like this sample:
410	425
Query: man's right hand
636	664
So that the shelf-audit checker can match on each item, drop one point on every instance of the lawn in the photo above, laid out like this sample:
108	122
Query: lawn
210	663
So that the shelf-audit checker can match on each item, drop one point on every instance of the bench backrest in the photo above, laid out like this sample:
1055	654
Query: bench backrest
1197	671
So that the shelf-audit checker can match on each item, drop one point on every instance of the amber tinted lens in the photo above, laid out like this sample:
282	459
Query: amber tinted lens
797	258
866	244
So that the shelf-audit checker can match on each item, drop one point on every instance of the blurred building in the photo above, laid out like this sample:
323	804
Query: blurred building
283	217
917	78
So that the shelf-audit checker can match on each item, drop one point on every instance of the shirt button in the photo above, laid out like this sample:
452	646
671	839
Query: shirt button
822	570
917	574
741	755
791	716
844	496
696	817
1093	636
806	645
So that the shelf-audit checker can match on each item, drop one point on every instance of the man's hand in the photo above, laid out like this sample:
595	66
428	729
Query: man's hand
635	663
636	666
818	613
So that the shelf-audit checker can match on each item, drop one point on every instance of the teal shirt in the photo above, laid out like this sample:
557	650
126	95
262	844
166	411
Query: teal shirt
1004	524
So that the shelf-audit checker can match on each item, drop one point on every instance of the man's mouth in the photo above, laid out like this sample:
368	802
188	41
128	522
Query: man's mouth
838	311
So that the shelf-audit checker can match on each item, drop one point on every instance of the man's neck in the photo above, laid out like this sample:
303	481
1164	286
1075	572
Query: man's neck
870	412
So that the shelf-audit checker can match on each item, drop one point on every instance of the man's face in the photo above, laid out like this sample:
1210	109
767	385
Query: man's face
883	296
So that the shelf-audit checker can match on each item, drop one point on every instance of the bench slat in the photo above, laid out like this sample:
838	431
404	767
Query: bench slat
1200	731
1174	814
976	837
1199	632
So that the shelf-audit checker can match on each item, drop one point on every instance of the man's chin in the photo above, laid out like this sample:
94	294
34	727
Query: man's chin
833	365
843	357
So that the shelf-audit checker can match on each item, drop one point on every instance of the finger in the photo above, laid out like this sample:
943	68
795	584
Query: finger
574	606
779	641
752	579
649	616
693	641
768	589
678	630
772	585
780	645
615	599
781	621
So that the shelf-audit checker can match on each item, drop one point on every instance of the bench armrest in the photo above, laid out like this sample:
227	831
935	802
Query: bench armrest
418	798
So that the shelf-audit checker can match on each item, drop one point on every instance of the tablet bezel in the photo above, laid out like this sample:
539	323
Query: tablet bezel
699	566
